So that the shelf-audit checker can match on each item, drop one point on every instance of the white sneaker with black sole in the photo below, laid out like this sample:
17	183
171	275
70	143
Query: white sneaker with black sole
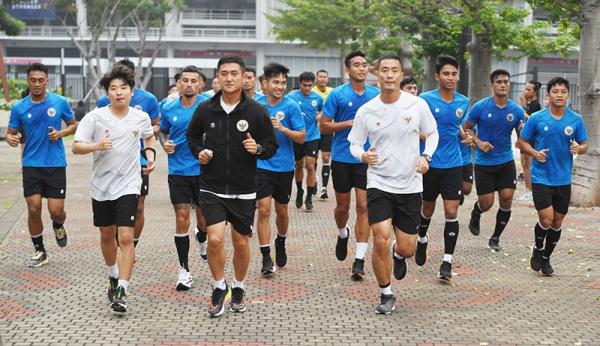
185	281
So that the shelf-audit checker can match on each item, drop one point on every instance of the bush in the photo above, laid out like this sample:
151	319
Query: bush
15	87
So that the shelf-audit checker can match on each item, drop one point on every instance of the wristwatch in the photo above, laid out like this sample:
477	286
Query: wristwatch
259	149
427	157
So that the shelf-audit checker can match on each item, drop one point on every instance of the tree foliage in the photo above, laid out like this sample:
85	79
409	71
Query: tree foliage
9	24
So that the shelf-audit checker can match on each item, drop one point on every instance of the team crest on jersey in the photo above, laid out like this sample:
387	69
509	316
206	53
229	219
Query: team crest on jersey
510	117
138	107
314	103
459	112
407	118
174	118
568	130
437	110
280	115
242	125
28	115
135	133
350	104
51	112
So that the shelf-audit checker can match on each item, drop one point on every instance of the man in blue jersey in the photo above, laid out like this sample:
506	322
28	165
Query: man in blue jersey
305	154
552	136
323	89
146	102
348	172
249	85
274	176
38	118
445	173
496	117
184	170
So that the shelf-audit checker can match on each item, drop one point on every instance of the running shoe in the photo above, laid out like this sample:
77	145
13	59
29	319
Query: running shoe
237	303
184	280
358	270
387	305
38	259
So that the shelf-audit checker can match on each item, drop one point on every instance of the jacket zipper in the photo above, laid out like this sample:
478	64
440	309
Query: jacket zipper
227	155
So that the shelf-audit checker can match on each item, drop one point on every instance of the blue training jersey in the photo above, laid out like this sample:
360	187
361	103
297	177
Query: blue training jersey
448	117
174	121
495	125
341	105
310	106
546	132
141	100
288	112
34	120
465	151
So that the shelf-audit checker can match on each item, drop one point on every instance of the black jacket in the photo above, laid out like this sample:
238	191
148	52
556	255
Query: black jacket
232	170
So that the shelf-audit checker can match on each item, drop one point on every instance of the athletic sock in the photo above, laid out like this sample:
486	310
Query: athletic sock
423	226
239	284
325	170
182	243
476	210
201	235
502	217
385	289
135	241
540	236
265	250
447	258
551	240
38	242
281	237
56	225
310	190
299	185
124	284
113	271
450	236
220	284
343	232
361	250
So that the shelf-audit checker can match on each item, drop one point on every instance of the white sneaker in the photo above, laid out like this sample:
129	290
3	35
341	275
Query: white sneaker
527	196
37	260
201	246
185	281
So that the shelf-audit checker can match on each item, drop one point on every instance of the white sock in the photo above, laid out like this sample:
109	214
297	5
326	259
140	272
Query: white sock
124	284
423	240
343	232
239	284
281	235
447	258
386	290
394	251
361	250
113	271
220	284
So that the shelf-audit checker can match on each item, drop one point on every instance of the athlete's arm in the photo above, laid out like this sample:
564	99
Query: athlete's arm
298	136
165	142
54	135
482	145
578	148
526	148
266	137
13	137
81	148
149	144
327	125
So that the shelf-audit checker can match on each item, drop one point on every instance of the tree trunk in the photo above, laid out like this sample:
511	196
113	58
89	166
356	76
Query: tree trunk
342	57
405	53
463	64
429	82
480	68
586	178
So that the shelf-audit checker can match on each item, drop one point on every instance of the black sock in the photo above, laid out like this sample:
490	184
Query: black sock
551	240
117	236
540	235
450	237
502	217
309	192
265	251
38	243
384	286
423	226
476	210
135	242
280	238
299	186
201	235
325	170
183	248
56	225
462	199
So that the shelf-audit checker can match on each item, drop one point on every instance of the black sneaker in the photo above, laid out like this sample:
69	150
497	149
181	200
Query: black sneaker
474	224
547	269
421	253
445	272
323	193
358	270
309	204
267	267
112	288
280	254
217	302
119	302
341	247
535	262
494	244
399	267
61	236
387	305
237	303
299	197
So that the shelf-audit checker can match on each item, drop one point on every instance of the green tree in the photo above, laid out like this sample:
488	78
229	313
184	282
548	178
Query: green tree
9	24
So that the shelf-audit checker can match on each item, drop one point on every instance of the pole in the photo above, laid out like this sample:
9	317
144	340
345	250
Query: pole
3	74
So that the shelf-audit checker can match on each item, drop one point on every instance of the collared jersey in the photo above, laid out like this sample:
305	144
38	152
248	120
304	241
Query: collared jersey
323	94
34	120
174	120
341	105
309	106
546	132
447	116
290	116
495	125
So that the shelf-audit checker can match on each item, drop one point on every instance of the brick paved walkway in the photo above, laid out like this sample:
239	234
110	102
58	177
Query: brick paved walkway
493	300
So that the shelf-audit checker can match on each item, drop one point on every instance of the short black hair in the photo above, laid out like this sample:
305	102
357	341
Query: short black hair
306	76
231	59
171	87
353	55
444	60
389	56
556	81
121	72
322	71
177	77
251	69
191	69
275	69
536	85
261	78
127	63
407	80
202	75
498	72
36	66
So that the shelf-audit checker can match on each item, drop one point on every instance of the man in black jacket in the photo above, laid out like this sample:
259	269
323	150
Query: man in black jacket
227	134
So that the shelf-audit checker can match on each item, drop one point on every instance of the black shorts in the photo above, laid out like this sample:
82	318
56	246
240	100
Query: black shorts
184	189
444	181
557	197
50	182
467	173
348	175
239	212
276	184
403	209
120	212
145	183
495	178
310	148
325	142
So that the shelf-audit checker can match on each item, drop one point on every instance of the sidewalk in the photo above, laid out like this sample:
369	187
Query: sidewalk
494	298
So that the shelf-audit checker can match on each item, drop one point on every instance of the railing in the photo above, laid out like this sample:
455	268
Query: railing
64	31
209	14
225	33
